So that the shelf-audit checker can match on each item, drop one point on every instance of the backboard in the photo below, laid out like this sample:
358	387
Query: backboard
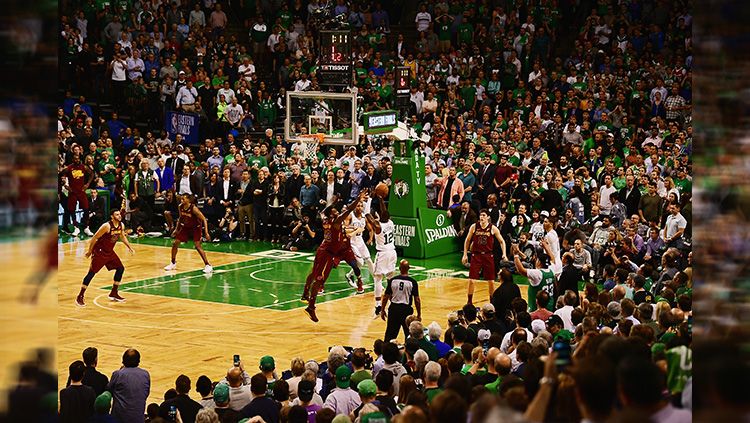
333	114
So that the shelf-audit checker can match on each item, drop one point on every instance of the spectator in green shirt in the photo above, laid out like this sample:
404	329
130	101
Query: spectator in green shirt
431	376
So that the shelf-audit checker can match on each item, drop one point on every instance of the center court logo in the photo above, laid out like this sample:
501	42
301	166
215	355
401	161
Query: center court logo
440	220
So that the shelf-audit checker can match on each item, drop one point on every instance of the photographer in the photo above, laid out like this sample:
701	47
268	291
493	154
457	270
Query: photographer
227	228
303	234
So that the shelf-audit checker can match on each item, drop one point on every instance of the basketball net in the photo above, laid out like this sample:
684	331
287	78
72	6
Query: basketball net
310	143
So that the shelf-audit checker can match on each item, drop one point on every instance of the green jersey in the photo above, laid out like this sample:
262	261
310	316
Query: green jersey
545	281
465	33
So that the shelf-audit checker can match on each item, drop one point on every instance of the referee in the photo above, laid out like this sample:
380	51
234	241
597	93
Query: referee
400	290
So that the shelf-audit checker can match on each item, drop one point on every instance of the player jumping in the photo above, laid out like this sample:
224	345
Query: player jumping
481	239
385	258
334	248
102	252
191	223
357	222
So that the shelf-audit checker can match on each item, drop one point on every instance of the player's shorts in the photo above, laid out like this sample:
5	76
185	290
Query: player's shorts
385	262
482	266
101	259
323	264
361	251
79	197
346	255
184	234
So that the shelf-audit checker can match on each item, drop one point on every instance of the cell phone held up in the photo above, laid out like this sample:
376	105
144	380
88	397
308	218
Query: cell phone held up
236	360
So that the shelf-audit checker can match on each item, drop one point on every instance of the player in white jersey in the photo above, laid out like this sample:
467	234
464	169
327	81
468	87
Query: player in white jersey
385	258
355	226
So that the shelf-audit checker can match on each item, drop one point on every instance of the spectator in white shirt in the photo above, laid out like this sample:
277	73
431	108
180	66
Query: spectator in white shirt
226	91
569	299
186	97
423	19
234	113
303	84
605	205
246	69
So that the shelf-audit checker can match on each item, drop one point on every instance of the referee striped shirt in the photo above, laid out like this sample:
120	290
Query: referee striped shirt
402	289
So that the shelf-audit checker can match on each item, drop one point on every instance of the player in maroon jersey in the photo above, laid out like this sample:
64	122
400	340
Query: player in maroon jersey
79	177
334	248
480	240
191	224
102	252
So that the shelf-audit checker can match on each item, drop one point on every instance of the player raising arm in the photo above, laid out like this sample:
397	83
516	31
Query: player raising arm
101	249
543	277
385	258
333	249
480	239
191	223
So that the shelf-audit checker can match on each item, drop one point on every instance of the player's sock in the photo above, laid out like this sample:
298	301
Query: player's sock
378	285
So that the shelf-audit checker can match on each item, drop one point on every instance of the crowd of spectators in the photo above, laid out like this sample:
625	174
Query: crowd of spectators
556	116
592	360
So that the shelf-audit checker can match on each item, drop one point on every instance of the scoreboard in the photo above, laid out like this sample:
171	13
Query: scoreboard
335	58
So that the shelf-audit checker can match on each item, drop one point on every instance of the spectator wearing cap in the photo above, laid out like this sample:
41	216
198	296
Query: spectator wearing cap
367	392
489	321
555	324
102	406
615	313
267	367
305	392
434	331
342	399
130	387
416	331
262	405
187	407
221	401
77	400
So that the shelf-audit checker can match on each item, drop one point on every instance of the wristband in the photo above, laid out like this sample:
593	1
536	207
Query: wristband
547	381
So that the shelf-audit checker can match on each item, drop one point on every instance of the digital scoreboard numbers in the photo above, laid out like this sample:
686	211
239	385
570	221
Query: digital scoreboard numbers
335	61
403	79
381	121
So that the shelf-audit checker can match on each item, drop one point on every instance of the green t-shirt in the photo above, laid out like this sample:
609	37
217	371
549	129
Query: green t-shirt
683	185
431	393
109	177
494	387
547	283
465	32
444	31
359	376
259	160
619	183
468	94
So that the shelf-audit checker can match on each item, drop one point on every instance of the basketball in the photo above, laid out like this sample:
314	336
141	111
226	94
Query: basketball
381	190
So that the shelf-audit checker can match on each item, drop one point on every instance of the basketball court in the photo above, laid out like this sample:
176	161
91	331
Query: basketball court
188	322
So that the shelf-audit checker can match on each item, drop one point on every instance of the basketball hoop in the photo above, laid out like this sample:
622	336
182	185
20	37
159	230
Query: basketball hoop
310	143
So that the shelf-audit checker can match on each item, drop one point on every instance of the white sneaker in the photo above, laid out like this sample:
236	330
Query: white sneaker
208	269
170	266
88	232
76	231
